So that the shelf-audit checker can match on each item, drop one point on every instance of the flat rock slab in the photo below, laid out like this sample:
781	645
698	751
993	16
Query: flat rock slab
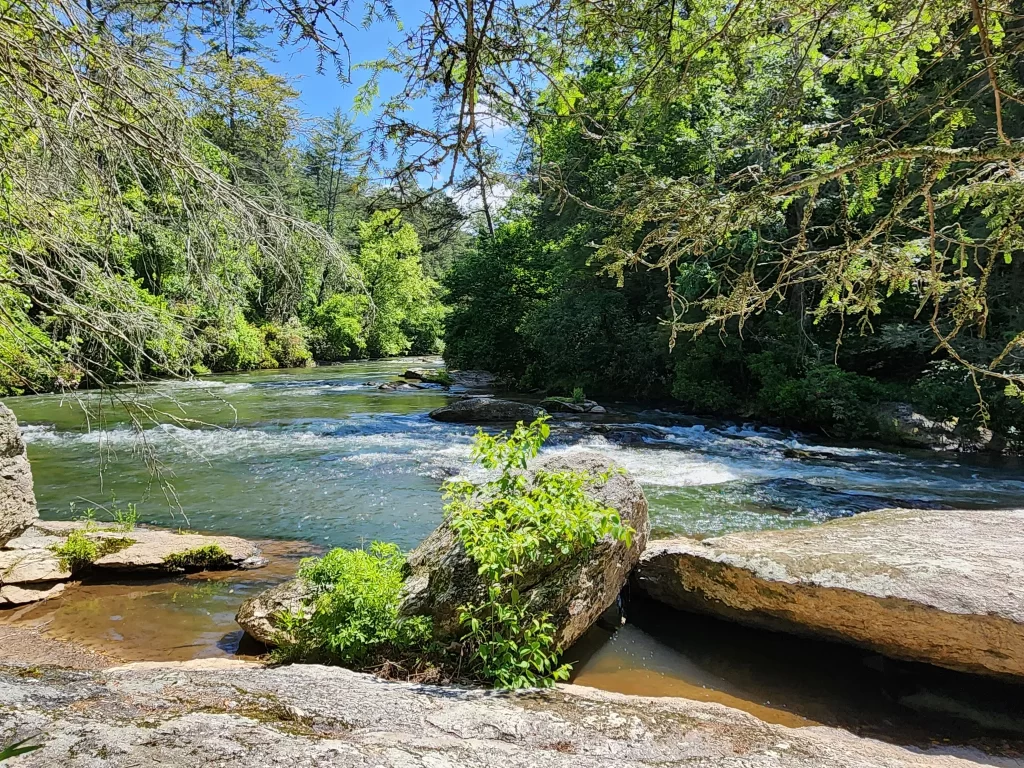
152	548
215	712
20	594
31	570
939	586
24	566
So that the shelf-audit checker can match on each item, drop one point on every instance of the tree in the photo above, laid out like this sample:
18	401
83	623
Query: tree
389	259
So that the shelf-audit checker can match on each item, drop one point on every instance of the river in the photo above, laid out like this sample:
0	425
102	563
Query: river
322	457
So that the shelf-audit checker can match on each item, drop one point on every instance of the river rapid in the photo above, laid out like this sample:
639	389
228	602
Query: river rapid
321	457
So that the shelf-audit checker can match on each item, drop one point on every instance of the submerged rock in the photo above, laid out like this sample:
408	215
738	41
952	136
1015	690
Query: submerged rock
481	410
942	587
17	500
444	578
221	712
258	615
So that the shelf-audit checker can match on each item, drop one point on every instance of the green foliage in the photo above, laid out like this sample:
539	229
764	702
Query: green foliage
126	519
18	748
233	344
76	552
354	619
337	328
389	258
514	525
80	550
285	345
210	557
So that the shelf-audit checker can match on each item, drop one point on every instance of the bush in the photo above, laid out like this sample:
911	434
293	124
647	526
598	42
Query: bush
233	344
822	395
285	345
354	621
511	526
336	328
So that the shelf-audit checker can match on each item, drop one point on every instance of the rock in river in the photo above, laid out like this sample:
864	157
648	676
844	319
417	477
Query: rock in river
944	587
259	614
481	410
17	500
443	577
216	712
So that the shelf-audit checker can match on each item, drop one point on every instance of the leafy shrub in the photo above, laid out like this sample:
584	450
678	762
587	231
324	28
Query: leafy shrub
355	613
822	395
336	328
512	526
80	551
285	345
233	344
29	358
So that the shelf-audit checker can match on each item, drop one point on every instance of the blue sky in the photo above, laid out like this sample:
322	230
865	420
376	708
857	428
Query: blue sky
321	93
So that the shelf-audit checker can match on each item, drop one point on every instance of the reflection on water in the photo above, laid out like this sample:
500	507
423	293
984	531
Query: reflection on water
161	619
794	681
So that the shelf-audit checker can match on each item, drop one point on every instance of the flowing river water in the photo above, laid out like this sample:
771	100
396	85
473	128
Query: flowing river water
321	457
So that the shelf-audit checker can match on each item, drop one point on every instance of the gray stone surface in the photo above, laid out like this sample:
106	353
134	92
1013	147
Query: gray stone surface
29	566
17	500
24	566
222	713
20	594
483	410
257	615
152	548
443	577
939	586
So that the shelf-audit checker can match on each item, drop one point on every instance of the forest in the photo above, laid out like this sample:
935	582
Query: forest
788	212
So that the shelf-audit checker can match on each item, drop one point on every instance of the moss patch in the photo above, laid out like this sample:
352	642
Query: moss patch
208	558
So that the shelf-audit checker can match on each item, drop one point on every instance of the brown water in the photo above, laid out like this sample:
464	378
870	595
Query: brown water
161	619
798	682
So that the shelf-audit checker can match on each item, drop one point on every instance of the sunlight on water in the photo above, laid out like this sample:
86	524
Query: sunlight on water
321	454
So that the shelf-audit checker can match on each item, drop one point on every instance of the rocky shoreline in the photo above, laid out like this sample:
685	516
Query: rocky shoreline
237	713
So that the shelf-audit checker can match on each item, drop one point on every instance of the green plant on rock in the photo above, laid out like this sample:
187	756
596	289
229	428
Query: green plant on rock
355	620
577	396
511	526
79	550
206	558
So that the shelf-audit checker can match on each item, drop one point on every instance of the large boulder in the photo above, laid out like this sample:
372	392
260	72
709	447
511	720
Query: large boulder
944	587
443	577
483	410
219	712
258	615
17	500
900	423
